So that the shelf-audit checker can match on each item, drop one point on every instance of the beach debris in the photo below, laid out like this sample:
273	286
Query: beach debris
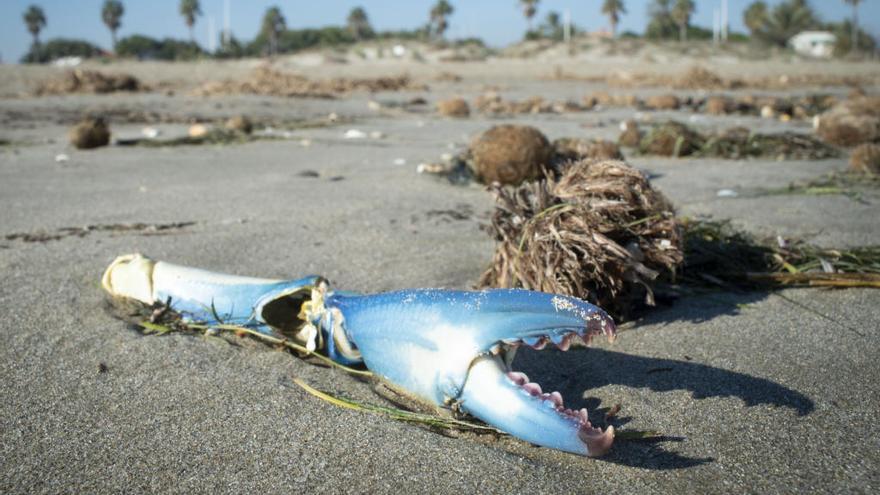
453	107
578	148
89	133
740	142
671	139
865	159
492	103
718	105
850	122
62	158
460	342
701	78
116	228
599	232
510	154
150	132
240	123
717	255
663	102
676	139
354	134
630	135
198	131
727	193
270	82
89	81
400	162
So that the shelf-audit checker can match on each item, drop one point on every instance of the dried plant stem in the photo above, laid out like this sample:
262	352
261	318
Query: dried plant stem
162	329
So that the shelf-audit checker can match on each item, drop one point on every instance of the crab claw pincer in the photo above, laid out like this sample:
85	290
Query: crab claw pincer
454	348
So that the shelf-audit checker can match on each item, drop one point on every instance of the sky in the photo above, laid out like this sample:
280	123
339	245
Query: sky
499	22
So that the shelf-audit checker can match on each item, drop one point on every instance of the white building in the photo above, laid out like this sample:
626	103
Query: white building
819	44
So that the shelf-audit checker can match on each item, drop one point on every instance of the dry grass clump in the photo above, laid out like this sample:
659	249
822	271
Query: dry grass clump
671	139
270	82
492	103
865	159
630	135
240	123
663	102
510	154
851	122
578	149
605	99
599	232
89	81
454	107
740	142
700	78
719	105
89	133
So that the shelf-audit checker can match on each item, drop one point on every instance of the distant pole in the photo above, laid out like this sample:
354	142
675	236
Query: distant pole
724	21
227	33
716	21
566	23
211	34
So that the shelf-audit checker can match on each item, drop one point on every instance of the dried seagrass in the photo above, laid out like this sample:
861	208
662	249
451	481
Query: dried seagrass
599	232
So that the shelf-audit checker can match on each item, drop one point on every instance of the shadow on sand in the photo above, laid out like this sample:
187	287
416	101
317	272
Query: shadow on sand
577	372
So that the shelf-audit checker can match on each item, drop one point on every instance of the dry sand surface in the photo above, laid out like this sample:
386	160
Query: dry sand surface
753	392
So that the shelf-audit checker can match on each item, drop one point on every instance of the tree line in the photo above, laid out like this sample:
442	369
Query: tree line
667	19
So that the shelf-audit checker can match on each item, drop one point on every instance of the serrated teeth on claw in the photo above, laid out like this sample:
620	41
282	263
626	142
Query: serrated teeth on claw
518	377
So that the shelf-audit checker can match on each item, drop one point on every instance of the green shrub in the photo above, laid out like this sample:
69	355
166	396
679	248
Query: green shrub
58	48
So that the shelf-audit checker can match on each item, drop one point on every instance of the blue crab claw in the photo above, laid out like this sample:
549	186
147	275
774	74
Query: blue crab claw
454	348
269	306
447	348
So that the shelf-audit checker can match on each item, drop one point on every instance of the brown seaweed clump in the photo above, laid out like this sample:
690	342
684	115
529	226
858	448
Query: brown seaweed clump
89	133
578	149
663	102
240	123
740	142
89	81
453	107
630	135
865	159
671	139
718	105
701	78
510	154
270	82
599	232
850	122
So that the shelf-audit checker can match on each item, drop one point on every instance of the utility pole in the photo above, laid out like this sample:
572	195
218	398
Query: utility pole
724	21
716	26
211	34
227	32
566	28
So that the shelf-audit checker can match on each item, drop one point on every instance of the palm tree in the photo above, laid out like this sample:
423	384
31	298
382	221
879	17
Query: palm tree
786	20
358	23
755	17
681	13
35	20
530	7
273	25
613	9
439	12
111	14
855	25
190	9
